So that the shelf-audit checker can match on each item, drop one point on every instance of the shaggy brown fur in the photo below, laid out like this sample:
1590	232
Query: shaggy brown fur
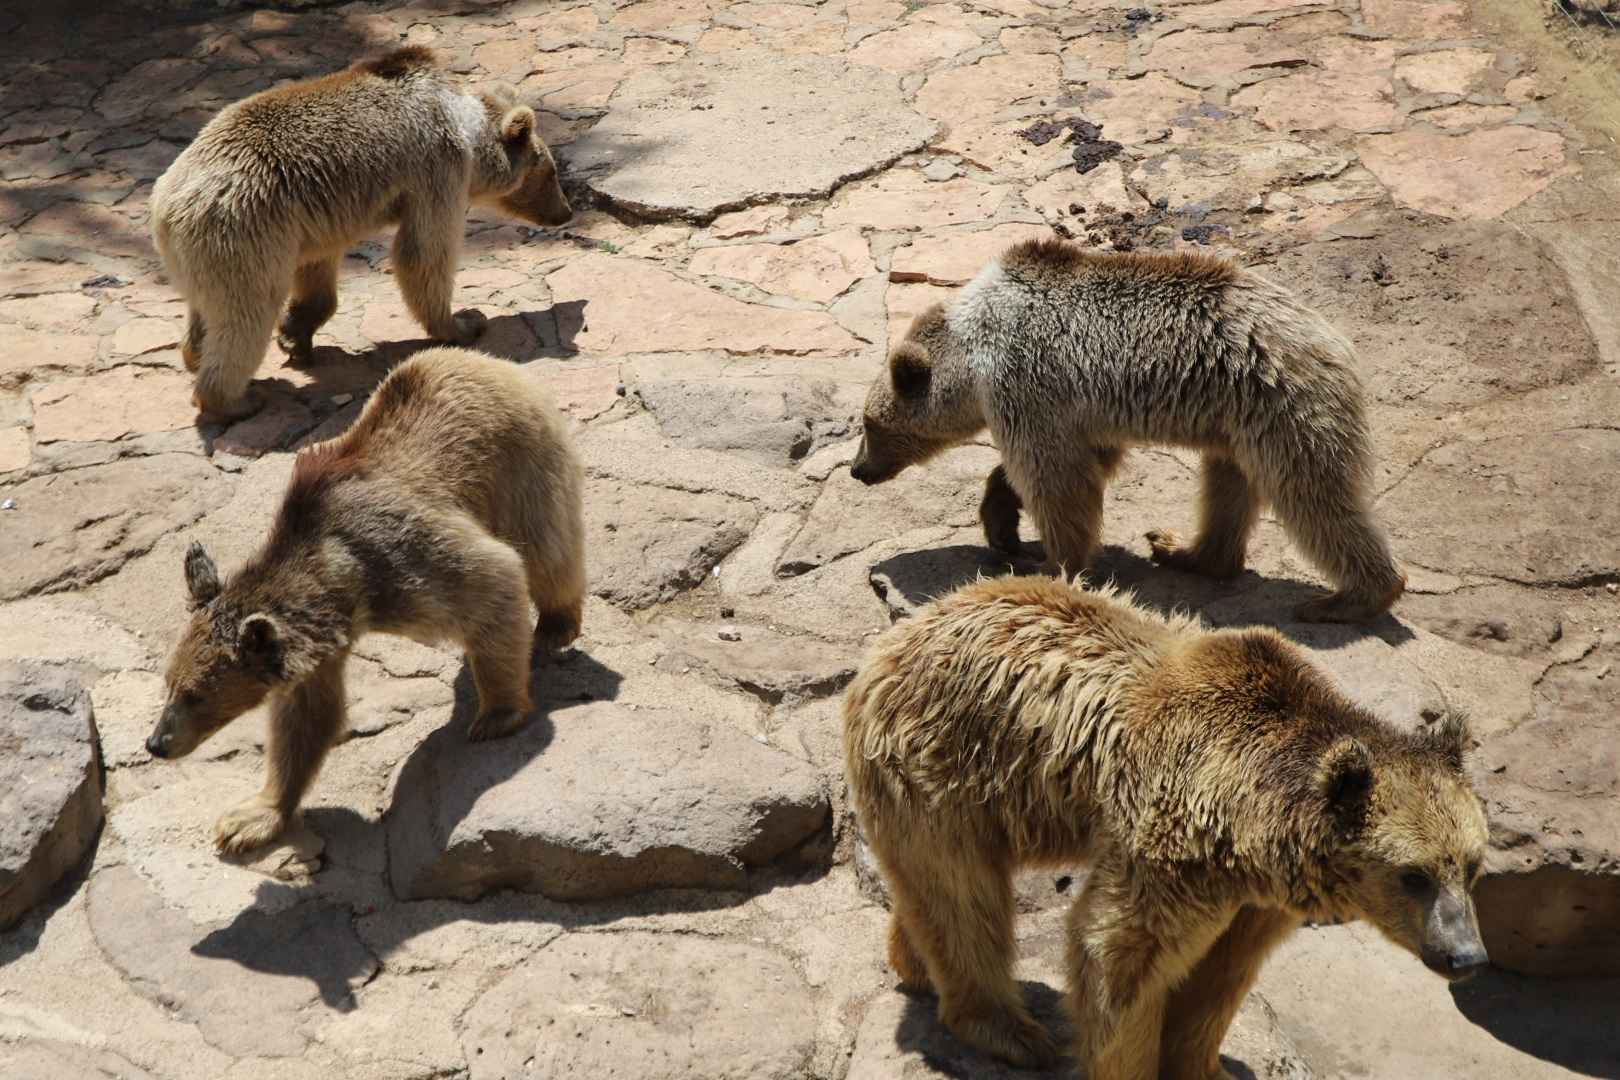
1219	787
453	502
277	187
1070	356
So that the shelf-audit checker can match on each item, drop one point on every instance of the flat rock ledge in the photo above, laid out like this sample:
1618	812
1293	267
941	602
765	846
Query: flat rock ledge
50	783
596	801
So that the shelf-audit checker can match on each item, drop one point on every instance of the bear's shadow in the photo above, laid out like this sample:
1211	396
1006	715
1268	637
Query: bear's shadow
1573	1023
920	1032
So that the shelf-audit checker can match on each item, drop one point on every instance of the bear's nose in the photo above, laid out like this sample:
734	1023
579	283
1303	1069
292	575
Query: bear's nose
1468	961
157	745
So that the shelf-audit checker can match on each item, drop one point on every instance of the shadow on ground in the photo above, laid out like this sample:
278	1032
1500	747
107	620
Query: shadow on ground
1573	1023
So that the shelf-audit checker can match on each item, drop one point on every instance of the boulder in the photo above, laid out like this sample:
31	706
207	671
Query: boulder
77	527
649	544
1549	902
50	783
651	1006
595	801
772	421
1498	618
761	660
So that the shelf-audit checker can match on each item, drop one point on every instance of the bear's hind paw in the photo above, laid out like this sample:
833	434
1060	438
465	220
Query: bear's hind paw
496	724
1017	1040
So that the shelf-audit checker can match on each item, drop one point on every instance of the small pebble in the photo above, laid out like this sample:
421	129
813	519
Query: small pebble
341	400
730	634
762	739
11	504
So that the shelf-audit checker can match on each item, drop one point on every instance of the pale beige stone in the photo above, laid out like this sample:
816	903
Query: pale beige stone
14	450
499	57
823	38
1318	100
1206	14
724	39
913	48
954	258
866	14
1524	89
1102	186
658	242
652	51
1446	71
1416	19
904	301
1131	109
140	336
1358	56
1233	176
590	94
945	15
751	222
52	311
582	393
1198	58
775	16
1451	116
389	322
572	74
568	59
1097	53
26	353
663	14
560	27
1477	175
957	94
817	270
1029	39
904	199
997	146
1018	9
489	277
112	404
631	306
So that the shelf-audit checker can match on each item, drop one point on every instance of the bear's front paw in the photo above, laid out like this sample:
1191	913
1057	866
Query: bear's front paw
470	325
250	825
252	400
496	724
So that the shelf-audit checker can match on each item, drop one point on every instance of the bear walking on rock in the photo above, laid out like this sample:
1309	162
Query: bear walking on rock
278	186
1218	786
454	501
1070	356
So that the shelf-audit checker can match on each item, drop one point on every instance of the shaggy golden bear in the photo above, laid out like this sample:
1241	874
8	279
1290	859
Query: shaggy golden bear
1219	787
278	186
1069	356
454	501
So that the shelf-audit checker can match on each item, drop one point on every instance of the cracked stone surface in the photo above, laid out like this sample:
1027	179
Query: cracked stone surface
1435	177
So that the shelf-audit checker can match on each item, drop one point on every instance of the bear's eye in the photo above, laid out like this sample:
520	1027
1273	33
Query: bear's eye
1415	882
190	698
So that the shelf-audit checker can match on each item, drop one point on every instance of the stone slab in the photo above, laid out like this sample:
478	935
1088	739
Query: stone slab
758	659
673	135
650	1006
595	801
649	544
1481	174
50	783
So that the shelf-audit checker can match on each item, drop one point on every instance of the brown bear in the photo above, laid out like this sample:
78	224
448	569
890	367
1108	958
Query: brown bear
1218	786
1069	356
454	501
278	186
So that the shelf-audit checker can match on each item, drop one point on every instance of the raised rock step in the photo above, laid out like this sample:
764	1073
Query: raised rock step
595	801
50	783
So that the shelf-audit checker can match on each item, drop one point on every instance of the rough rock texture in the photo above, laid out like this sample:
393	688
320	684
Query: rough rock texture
668	146
75	528
595	801
774	422
1549	903
644	1005
646	544
758	659
50	783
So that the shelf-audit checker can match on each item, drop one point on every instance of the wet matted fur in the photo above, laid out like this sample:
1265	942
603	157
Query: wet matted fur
1218	786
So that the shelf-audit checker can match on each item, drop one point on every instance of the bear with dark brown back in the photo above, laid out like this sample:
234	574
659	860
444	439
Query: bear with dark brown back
273	191
1219	788
453	504
1069	357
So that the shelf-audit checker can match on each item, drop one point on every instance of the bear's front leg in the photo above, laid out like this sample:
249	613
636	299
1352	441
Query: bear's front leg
425	252
305	720
1123	960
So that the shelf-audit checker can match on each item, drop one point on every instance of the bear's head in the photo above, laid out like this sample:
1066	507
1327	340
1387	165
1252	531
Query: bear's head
1411	838
926	404
228	660
523	175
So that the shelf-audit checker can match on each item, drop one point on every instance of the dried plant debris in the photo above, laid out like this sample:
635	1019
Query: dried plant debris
1090	148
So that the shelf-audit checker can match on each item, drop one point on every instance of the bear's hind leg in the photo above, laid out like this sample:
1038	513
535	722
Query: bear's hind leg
314	301
998	512
1331	523
191	345
305	721
425	251
955	909
1201	1008
904	958
1227	511
493	626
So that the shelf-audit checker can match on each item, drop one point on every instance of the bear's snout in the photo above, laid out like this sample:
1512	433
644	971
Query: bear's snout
157	743
1452	946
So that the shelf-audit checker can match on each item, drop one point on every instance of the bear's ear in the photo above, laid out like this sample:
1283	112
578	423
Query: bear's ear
517	126
1453	737
259	636
910	369
1344	776
202	577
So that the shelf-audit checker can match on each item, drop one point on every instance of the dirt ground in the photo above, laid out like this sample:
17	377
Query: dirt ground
659	877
